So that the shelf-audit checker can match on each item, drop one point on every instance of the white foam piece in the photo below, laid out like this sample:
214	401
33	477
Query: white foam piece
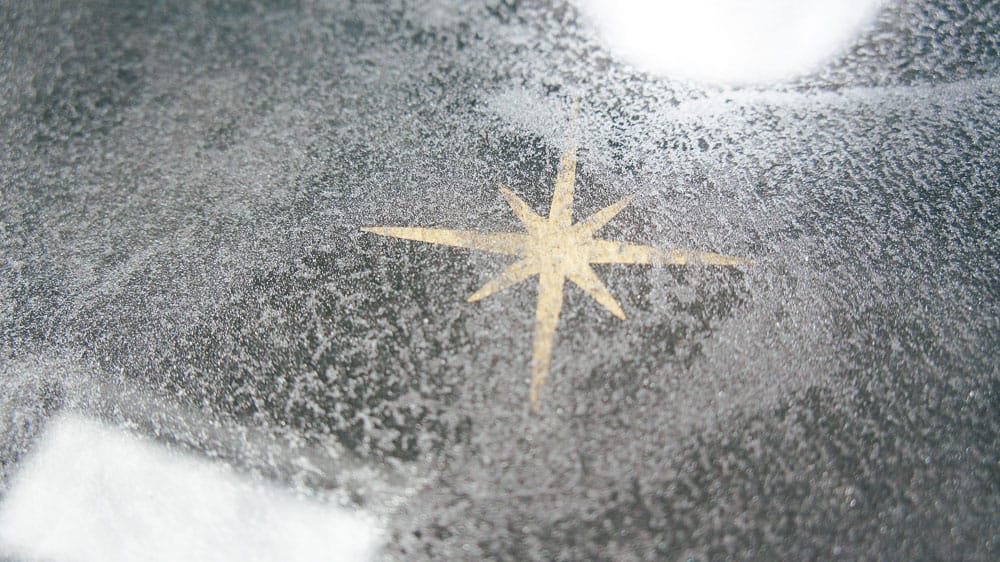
90	492
728	41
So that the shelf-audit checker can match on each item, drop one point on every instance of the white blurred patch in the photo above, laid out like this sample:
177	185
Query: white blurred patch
728	41
94	493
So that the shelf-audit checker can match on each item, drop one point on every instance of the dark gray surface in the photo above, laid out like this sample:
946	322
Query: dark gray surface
182	191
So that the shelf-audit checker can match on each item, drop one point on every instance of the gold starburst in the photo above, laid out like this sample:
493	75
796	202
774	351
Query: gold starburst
555	250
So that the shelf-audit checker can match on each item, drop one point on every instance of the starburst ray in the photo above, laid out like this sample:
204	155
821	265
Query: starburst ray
710	258
606	251
528	216
514	274
509	243
561	211
596	221
550	297
593	286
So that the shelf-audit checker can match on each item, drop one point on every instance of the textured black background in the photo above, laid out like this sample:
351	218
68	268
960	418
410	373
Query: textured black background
182	188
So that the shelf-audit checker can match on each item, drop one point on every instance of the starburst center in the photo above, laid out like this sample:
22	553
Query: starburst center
556	248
